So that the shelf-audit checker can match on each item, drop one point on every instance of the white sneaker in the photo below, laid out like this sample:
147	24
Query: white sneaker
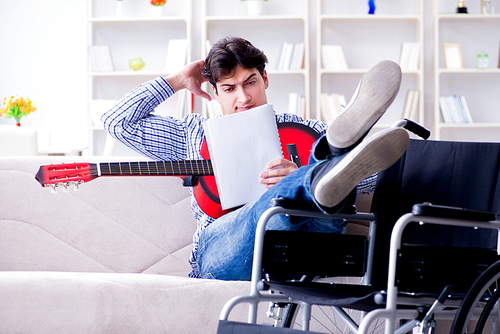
374	154
375	92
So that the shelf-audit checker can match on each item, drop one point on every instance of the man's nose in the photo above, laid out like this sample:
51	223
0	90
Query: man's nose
243	95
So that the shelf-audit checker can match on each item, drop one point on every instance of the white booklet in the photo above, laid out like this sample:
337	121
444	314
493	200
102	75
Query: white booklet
240	146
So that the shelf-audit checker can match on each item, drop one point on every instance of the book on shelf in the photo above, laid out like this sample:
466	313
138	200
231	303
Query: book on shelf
182	109
333	57
409	56
100	58
410	109
176	54
291	56
297	104
332	105
455	109
214	108
231	140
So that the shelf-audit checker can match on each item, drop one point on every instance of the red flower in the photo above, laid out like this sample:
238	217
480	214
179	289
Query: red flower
158	2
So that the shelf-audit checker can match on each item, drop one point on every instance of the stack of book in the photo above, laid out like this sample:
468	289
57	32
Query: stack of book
410	110
455	109
331	106
291	57
333	57
409	57
100	59
214	108
297	104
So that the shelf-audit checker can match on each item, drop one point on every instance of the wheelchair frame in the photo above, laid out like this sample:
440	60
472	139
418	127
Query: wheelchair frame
391	312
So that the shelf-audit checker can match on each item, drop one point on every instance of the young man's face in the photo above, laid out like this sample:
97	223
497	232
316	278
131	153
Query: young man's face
243	89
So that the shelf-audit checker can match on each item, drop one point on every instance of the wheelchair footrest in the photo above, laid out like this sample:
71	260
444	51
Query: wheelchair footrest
288	253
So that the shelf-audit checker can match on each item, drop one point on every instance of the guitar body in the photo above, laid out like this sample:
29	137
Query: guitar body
205	191
200	171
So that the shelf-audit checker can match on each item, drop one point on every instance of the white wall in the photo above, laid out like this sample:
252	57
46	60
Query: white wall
43	57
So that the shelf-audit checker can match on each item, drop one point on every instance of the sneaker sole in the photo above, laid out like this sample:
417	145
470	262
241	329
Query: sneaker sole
376	91
374	154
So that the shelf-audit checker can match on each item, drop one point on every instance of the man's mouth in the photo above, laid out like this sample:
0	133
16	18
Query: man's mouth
245	108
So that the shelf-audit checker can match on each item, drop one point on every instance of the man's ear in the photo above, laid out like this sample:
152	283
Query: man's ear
216	95
266	79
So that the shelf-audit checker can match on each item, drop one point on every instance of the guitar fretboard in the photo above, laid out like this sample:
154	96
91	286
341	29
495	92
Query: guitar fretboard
160	168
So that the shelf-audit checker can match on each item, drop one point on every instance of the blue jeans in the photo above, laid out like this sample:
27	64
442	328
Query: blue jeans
225	248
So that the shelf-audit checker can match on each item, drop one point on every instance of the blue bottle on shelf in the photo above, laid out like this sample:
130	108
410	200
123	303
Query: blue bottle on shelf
371	6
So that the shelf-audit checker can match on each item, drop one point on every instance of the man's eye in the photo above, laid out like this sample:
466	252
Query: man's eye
251	82
228	90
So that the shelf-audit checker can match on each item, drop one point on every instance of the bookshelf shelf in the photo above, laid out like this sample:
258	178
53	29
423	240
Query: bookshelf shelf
128	74
219	17
143	19
254	18
369	18
384	33
478	86
133	35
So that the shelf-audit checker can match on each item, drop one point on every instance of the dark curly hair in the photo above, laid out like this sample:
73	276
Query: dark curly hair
228	53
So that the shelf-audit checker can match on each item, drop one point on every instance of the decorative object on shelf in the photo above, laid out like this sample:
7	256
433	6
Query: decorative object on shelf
453	56
16	107
486	7
482	61
119	8
461	9
157	8
371	6
136	64
254	7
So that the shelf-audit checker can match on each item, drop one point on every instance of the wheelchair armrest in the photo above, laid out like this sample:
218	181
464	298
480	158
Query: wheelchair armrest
430	210
298	205
293	204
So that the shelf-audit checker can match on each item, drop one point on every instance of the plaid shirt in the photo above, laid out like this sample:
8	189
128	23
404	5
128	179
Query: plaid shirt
132	122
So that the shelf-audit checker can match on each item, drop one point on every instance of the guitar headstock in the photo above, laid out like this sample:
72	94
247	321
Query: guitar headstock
66	174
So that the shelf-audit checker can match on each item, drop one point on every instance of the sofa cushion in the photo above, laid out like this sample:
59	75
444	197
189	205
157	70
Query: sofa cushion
114	224
61	302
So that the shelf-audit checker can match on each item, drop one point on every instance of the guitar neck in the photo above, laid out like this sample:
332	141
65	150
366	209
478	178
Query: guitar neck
156	168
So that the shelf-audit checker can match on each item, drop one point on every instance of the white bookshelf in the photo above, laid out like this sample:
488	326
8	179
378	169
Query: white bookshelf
221	18
135	34
367	39
476	33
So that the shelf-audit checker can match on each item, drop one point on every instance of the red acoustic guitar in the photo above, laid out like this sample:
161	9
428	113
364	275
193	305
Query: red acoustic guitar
195	173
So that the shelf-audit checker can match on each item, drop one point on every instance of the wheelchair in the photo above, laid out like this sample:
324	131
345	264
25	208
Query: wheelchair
431	255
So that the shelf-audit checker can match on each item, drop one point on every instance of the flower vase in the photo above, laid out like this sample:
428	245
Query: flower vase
254	7
156	11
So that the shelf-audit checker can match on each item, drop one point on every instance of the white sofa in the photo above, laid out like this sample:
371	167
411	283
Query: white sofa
111	258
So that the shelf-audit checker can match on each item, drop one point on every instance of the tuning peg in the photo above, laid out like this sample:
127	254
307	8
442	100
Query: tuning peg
77	185
54	189
66	185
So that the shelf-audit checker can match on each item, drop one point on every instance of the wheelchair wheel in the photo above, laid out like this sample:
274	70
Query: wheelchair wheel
325	319
479	312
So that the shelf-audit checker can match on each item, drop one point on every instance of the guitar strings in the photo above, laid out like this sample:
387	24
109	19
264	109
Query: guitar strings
189	167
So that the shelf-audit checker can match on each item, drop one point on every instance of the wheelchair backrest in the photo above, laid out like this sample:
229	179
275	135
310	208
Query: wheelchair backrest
461	174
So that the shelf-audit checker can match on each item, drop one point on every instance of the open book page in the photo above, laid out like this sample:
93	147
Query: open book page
240	146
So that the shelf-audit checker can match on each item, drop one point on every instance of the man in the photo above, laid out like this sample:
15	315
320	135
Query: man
340	159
